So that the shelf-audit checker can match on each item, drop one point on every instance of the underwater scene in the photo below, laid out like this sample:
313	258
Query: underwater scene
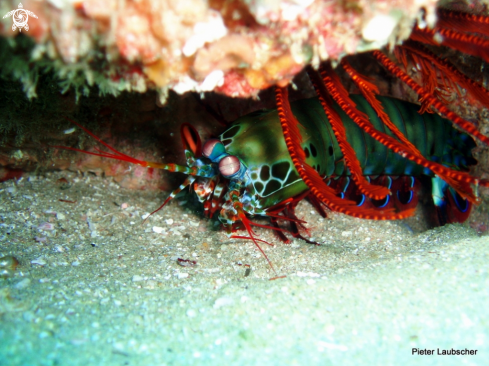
269	182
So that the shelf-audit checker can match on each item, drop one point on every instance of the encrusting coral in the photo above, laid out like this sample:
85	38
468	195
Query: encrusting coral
234	47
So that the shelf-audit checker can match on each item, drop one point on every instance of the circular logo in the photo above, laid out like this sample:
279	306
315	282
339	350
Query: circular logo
20	18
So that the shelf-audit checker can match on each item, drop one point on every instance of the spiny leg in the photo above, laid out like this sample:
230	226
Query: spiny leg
311	178
230	215
434	68
470	44
349	154
463	22
283	208
457	179
369	91
188	181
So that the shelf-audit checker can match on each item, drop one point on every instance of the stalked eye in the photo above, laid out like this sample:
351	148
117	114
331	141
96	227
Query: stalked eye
209	146
229	166
213	149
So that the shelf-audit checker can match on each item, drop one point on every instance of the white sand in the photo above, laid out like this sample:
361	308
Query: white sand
102	289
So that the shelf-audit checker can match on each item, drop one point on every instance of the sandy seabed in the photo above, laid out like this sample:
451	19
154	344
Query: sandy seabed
97	286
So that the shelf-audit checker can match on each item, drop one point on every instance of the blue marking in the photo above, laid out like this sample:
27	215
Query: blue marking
408	170
368	170
411	195
412	182
362	201
347	184
459	200
387	199
218	152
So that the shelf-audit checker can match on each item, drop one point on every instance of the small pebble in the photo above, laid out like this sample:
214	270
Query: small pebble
137	278
46	226
191	313
223	301
158	229
186	262
169	221
181	276
22	284
40	261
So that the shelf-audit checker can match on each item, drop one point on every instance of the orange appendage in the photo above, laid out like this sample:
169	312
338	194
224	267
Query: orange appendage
313	180
369	91
463	42
349	154
424	95
433	69
458	180
246	222
463	22
452	177
116	154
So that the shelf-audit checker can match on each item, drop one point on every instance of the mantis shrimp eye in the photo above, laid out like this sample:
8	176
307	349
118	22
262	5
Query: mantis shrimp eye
229	166
213	149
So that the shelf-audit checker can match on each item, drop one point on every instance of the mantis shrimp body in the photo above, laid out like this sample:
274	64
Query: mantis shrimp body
248	170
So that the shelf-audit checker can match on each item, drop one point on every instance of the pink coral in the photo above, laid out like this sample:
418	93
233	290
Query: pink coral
236	47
